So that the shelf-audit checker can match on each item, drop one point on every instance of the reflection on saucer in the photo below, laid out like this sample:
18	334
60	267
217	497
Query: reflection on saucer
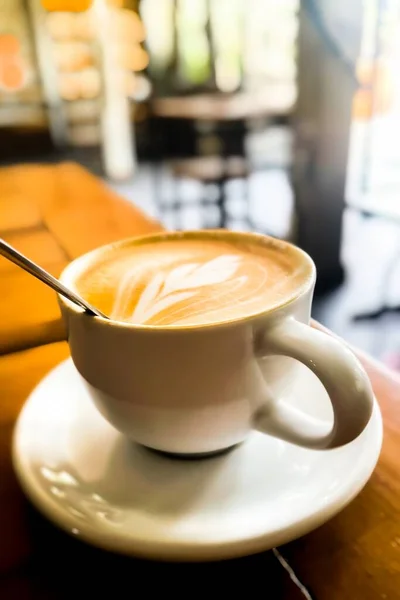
99	486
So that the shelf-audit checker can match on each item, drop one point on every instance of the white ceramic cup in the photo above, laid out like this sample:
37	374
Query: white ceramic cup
201	389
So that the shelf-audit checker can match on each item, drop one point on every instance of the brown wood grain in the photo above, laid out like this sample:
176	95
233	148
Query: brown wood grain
39	244
52	214
19	208
83	213
18	375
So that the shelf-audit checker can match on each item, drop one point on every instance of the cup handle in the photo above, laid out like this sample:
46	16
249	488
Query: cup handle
340	372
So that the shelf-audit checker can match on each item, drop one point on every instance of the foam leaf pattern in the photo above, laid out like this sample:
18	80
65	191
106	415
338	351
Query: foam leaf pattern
212	272
181	283
174	279
148	297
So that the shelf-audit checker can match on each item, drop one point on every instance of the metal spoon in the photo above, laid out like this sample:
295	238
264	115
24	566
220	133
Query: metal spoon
22	261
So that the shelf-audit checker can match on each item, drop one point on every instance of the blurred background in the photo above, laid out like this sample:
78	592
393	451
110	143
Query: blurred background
281	117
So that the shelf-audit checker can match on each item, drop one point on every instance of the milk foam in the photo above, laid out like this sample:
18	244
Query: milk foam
188	282
166	291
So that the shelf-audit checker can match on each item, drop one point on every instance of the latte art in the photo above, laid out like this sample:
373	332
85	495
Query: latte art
169	294
187	282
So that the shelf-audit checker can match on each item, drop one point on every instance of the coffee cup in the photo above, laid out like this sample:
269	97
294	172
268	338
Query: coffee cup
211	369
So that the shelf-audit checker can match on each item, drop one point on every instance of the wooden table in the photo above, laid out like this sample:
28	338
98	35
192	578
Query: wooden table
54	214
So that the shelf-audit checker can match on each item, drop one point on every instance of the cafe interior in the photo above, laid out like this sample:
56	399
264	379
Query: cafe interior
254	115
277	117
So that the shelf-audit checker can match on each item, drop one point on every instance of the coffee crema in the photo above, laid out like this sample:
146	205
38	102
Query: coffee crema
188	281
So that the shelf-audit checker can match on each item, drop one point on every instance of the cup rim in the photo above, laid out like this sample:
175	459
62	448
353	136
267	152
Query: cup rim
76	266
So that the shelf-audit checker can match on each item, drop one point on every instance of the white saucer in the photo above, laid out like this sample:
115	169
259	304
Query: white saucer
95	484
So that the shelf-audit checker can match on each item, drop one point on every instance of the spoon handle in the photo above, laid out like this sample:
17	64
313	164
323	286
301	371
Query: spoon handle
22	261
